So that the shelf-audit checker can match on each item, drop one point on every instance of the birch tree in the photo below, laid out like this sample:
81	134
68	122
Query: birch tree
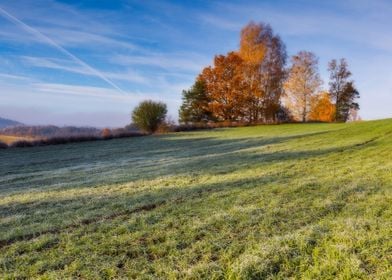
302	84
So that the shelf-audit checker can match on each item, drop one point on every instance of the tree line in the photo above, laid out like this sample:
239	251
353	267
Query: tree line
253	85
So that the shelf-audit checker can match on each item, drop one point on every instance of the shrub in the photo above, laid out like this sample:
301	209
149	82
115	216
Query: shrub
3	145
53	141
125	132
106	133
167	126
22	144
116	133
65	140
148	115
49	131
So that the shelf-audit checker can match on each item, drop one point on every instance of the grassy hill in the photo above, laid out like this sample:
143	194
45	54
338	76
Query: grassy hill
289	201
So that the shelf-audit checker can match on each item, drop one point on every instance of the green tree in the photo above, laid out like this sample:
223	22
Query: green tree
148	115
342	90
194	106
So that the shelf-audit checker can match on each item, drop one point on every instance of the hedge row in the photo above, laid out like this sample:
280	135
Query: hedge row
66	140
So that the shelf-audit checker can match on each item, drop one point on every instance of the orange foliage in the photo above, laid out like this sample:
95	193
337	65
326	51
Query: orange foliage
247	86
224	83
106	133
263	74
322	108
252	47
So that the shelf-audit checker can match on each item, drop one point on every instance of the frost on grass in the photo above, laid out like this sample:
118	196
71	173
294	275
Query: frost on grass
287	201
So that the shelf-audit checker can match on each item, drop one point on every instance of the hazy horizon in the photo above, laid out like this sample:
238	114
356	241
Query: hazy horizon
88	64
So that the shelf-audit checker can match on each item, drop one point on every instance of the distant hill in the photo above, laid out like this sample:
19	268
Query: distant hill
8	123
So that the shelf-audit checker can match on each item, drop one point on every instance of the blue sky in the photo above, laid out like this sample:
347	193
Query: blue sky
90	62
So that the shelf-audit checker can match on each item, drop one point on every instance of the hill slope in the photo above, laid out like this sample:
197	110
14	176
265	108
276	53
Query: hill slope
8	123
302	201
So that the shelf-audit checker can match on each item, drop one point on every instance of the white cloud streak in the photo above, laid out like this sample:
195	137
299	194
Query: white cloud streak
49	41
189	62
63	65
14	77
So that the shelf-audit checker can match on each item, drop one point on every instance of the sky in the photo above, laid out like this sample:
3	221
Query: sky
89	63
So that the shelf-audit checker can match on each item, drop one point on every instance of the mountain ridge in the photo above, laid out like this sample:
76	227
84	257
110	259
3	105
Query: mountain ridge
8	123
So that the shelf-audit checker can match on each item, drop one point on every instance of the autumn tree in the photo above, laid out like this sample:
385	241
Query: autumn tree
264	57
224	84
252	43
248	85
106	133
342	89
252	51
273	77
302	84
322	108
194	106
284	114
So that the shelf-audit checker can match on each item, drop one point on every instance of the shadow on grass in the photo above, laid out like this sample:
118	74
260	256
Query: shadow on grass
64	213
123	160
109	206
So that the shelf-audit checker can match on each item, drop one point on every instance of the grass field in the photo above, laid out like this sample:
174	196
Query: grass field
10	139
310	201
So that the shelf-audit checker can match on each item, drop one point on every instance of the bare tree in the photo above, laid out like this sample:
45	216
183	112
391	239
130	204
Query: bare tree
342	90
302	84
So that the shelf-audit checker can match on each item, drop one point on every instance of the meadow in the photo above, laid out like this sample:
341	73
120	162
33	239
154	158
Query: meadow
300	201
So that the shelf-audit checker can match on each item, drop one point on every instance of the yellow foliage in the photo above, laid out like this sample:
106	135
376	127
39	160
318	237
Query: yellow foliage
252	49
322	108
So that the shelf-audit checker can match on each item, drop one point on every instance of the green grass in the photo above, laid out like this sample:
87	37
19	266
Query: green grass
310	201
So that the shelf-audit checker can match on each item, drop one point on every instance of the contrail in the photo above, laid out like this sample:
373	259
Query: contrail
49	41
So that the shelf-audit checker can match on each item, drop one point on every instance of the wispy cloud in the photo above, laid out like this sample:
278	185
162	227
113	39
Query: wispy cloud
70	66
74	38
14	77
79	90
49	41
94	92
171	62
220	22
154	49
309	18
